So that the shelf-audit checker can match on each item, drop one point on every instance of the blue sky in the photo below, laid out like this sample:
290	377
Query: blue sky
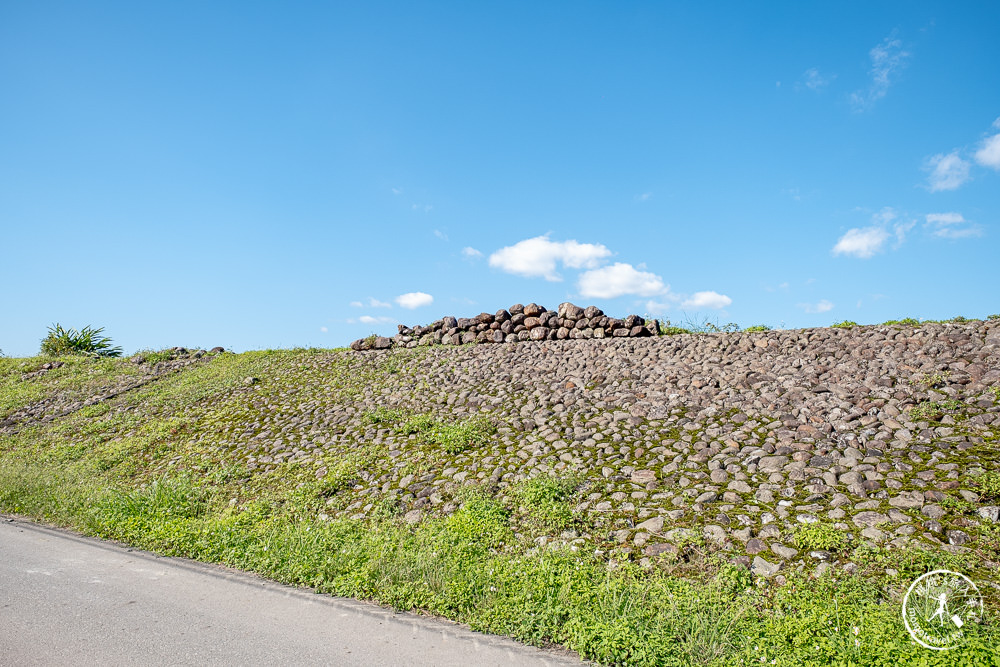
260	175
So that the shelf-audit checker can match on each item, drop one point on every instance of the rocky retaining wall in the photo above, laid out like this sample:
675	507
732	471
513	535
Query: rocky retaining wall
880	433
516	324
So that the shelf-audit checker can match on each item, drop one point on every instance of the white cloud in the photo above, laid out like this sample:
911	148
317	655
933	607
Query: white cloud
372	303
707	300
821	307
887	59
619	279
656	307
323	329
952	226
885	216
861	242
945	218
958	232
988	154
901	229
397	191
813	80
948	172
471	253
368	319
413	300
644	196
537	257
441	235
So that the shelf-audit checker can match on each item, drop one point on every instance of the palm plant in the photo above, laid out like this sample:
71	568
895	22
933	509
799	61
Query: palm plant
87	341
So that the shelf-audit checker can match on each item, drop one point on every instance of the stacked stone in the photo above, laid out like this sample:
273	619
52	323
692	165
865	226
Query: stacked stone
516	324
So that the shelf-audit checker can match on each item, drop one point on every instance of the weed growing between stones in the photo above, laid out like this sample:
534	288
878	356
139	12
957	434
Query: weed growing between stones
820	536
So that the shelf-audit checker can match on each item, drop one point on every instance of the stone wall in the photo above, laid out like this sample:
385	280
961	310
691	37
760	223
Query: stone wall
516	324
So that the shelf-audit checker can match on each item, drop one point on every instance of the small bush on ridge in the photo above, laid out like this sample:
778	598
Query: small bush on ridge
87	341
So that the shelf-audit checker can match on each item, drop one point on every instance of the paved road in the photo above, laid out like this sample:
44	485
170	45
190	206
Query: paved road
70	600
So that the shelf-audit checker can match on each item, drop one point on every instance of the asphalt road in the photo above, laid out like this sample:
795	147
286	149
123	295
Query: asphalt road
71	600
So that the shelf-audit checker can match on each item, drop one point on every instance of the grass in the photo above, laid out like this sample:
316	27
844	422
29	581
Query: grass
468	567
161	468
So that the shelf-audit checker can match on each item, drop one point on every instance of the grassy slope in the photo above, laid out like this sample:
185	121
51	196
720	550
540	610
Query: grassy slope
147	468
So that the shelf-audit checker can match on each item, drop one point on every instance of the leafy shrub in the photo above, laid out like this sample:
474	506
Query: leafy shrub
456	438
931	380
733	580
87	341
933	410
417	424
906	321
820	535
757	328
989	485
846	324
545	502
481	521
382	415
668	329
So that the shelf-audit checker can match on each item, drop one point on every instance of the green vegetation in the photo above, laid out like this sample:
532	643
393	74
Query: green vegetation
383	415
544	502
846	324
696	327
668	329
87	341
757	328
989	485
820	536
907	321
418	424
152	356
931	380
933	410
456	438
